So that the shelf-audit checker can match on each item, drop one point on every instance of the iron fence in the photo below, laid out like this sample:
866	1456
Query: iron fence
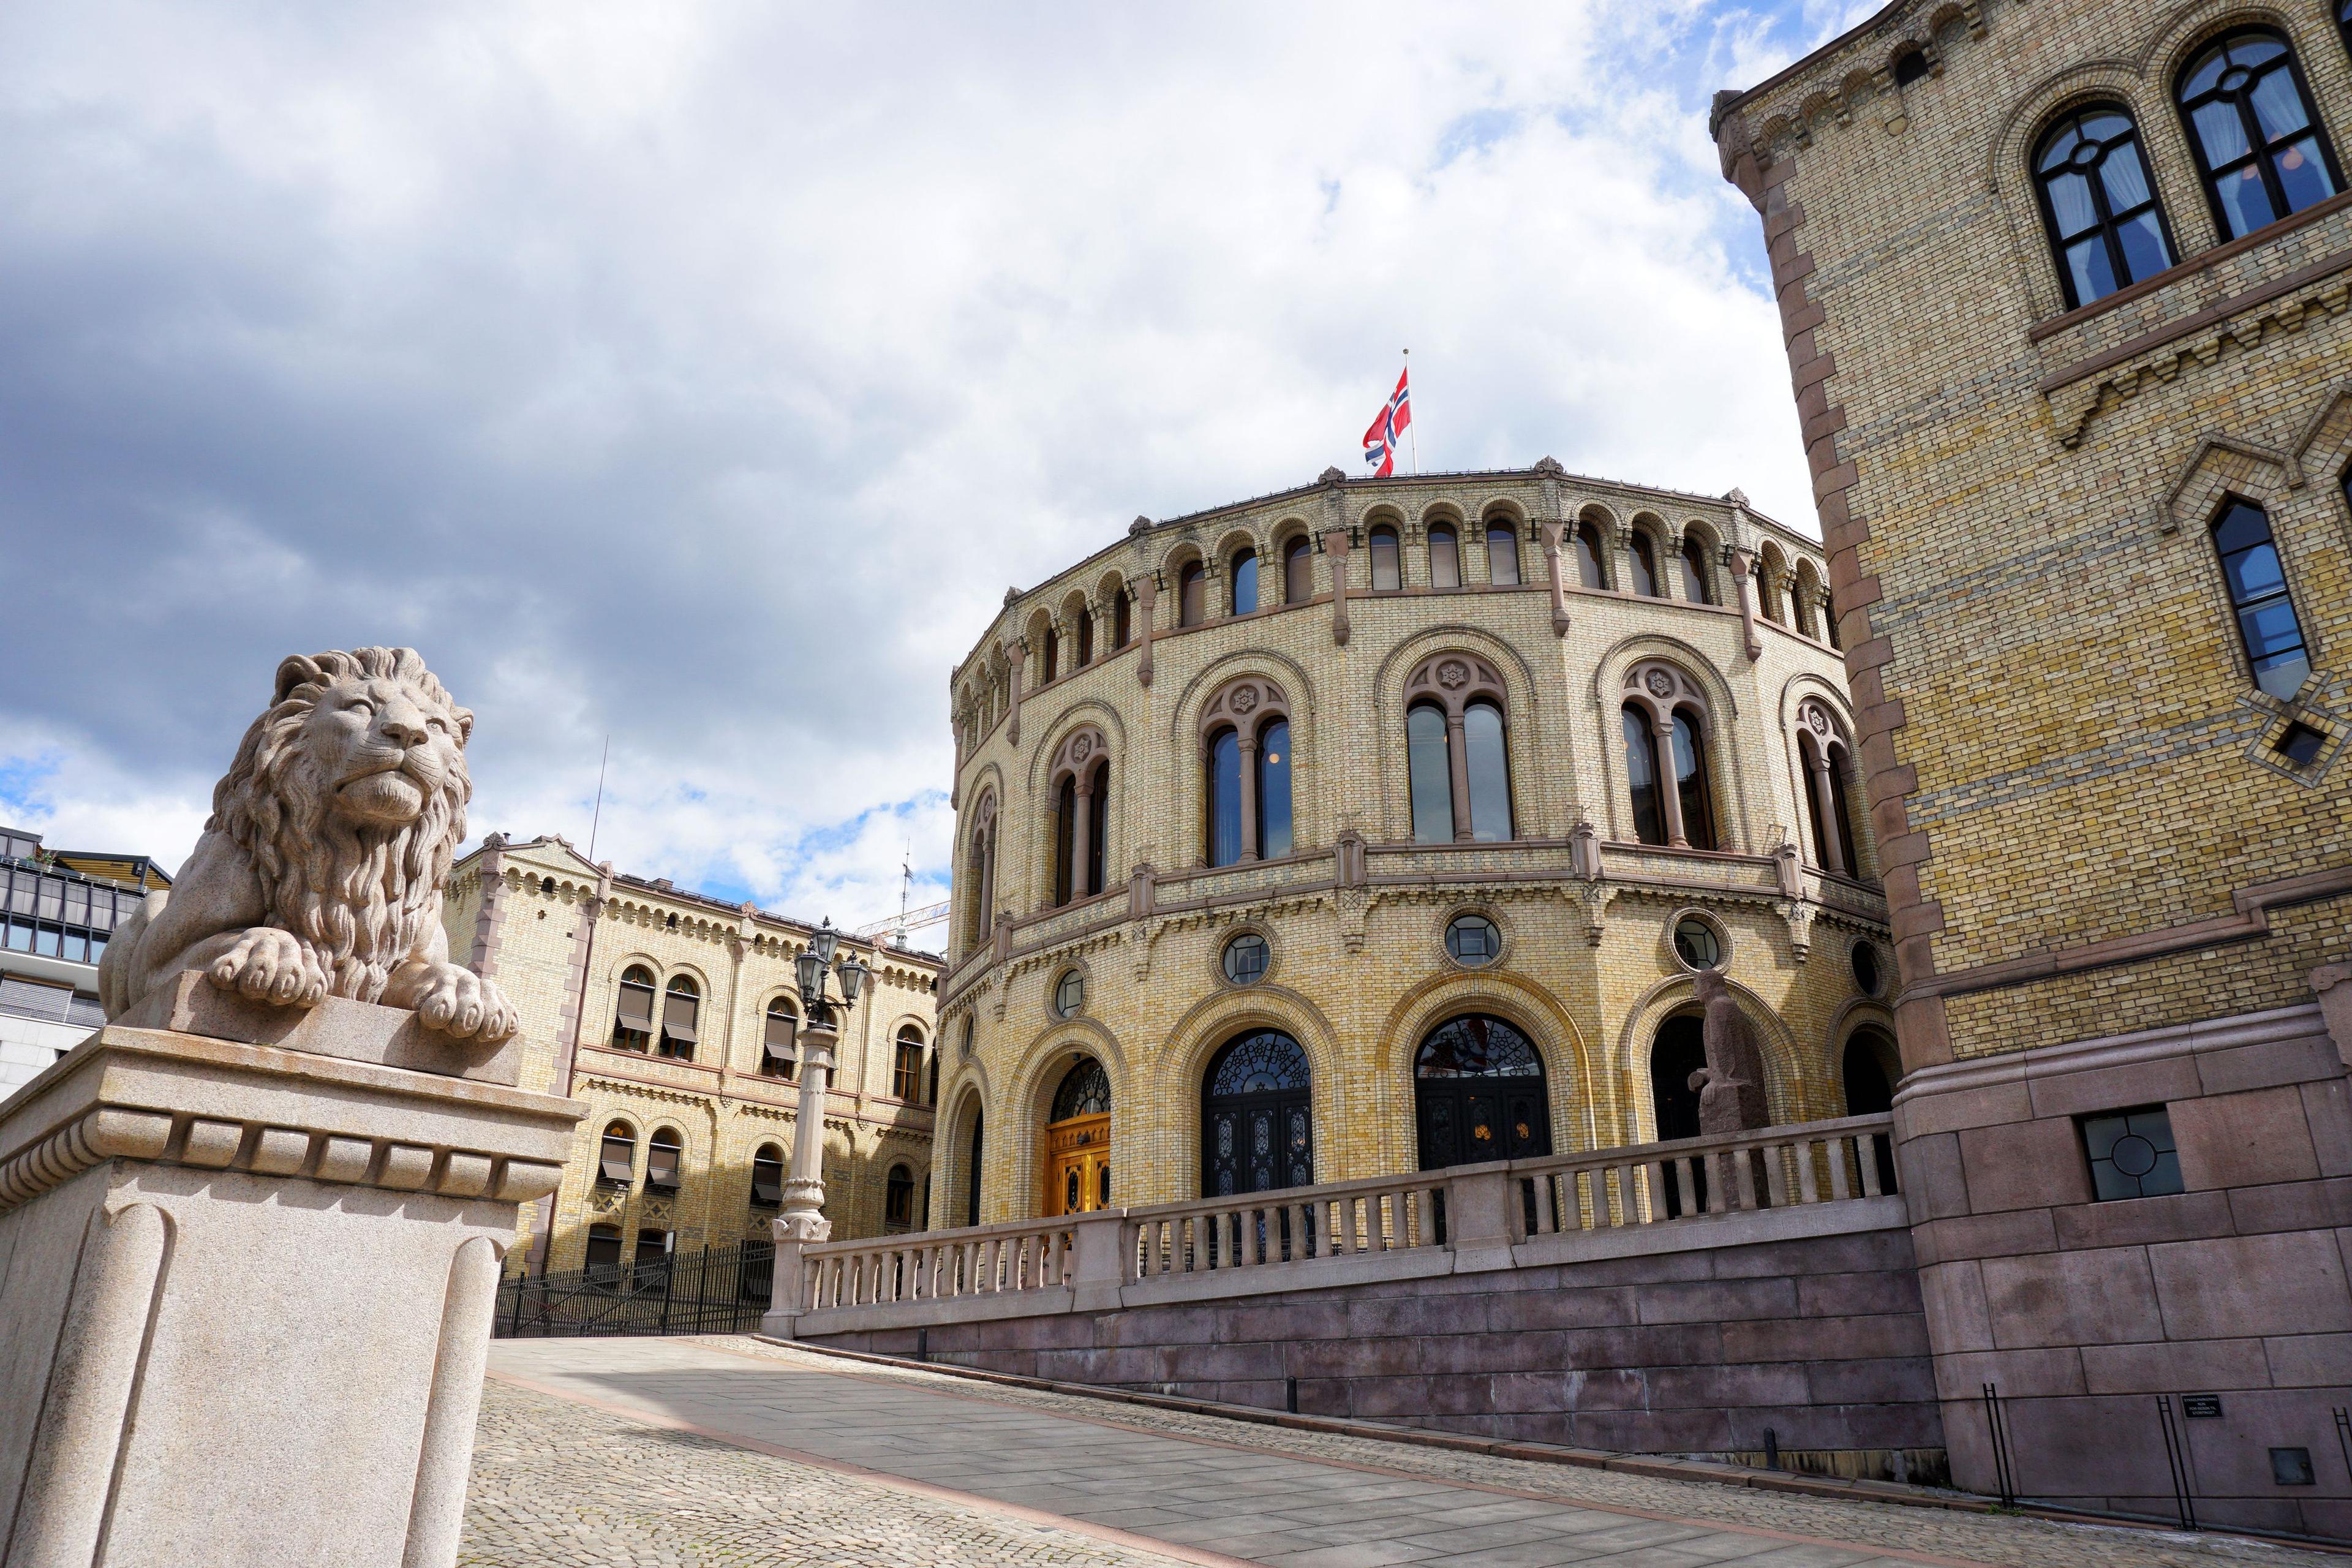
717	1290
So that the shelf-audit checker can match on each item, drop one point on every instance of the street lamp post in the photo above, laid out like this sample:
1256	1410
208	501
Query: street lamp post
803	1219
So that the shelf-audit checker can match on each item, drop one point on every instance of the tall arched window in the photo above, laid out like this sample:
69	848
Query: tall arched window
1256	1119
1478	1094
1691	789
1502	553
1077	1141
1642	774
1122	622
906	1066
1245	581
1085	639
1386	573
681	1015
1586	540
633	1022
898	1200
1445	556
980	863
2098	204
617	1156
767	1176
1192	595
2249	115
1080	780
2258	595
780	1046
1048	669
1066	826
1679	1051
1696	587
971	1172
1297	570
1429	774
1822	754
1274	790
1225	797
1645	564
1457	763
663	1151
1097	826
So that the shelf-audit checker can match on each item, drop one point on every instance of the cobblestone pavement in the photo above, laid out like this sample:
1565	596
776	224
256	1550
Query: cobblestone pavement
884	1465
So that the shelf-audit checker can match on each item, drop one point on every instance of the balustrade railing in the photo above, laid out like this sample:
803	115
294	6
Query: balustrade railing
1487	1210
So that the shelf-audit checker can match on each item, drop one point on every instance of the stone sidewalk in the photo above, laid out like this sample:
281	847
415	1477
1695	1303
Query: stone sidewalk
732	1451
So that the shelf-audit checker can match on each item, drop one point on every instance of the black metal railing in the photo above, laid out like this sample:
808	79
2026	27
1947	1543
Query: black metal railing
717	1290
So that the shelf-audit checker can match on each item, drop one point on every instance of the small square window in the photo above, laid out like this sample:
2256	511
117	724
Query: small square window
2300	745
2132	1153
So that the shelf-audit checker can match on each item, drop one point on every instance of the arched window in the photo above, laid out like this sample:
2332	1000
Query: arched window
1696	585
662	1153
2098	204
681	1011
2249	116
1274	789
1192	595
2258	595
1297	570
1588	574
971	1173
617	1156
1085	1091
768	1177
1679	1051
1645	566
780	1048
1385	570
1245	581
1066	826
1489	765
1800	600
1085	639
1478	1094
1429	774
1445	556
1256	1119
898	1200
1048	669
604	1260
1225	798
980	912
1872	1068
1691	789
1122	620
1097	827
1077	1141
1642	774
633	1023
906	1066
1502	553
1821	753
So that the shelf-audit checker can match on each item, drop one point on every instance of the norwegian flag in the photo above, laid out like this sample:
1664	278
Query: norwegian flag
1381	441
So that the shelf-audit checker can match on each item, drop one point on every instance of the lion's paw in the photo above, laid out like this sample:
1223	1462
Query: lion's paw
457	1001
267	965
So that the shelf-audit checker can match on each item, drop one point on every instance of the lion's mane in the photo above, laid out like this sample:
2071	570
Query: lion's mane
361	897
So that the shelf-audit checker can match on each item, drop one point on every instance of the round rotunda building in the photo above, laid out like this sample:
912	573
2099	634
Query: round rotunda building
1384	824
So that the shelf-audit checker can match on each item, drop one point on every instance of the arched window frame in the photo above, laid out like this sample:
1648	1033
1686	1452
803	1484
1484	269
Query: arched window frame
1442	540
2110	229
1049	663
2261	148
1506	566
980	857
681	1019
1641	555
899	1199
633	1030
768	1166
617	1155
1659	690
1079	781
1696	569
1589	556
1245	581
1244	705
1085	652
1454	682
1382	539
780	1037
665	1159
907	1065
1829	788
1122	617
1298	569
1191	593
2240	604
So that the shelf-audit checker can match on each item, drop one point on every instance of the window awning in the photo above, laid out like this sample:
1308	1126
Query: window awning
777	1063
677	1030
767	1192
782	1027
616	1168
636	1008
661	1175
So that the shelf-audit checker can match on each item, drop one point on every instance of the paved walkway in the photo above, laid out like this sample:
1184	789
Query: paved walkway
729	1451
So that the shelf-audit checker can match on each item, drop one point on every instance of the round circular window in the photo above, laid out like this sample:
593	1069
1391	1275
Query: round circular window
1245	959
1474	939
1070	995
1865	968
1696	943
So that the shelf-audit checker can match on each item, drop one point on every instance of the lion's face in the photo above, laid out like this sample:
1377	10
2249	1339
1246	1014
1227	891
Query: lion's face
379	750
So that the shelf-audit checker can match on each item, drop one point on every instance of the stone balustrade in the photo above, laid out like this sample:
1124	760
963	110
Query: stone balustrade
1777	1182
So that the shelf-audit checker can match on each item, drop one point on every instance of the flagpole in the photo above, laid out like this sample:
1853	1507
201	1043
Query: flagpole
1414	428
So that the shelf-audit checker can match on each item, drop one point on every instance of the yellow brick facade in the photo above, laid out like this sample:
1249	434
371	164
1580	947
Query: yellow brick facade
1355	916
2088	828
531	915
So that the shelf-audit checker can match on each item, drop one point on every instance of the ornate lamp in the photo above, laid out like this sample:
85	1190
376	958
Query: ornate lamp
852	974
803	1219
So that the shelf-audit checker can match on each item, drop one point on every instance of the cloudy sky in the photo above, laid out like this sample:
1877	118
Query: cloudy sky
700	375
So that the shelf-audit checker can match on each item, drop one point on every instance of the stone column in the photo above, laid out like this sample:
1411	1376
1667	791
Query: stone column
1457	760
803	1219
1552	535
1335	546
1147	596
1824	819
254	1260
1743	569
1081	836
1670	795
1020	652
1249	795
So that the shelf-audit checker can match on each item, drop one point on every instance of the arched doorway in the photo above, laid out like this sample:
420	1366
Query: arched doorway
1679	1051
1478	1094
1257	1121
1077	1141
1872	1067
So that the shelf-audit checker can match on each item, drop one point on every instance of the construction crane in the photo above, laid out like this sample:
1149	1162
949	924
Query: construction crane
907	921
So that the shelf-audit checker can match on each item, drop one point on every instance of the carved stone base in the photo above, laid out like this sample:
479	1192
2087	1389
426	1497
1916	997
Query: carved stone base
245	1295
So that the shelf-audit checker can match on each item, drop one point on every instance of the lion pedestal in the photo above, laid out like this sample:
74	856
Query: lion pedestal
251	1231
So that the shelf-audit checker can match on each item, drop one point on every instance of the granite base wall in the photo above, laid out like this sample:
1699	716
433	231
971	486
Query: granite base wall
2083	1312
1821	1341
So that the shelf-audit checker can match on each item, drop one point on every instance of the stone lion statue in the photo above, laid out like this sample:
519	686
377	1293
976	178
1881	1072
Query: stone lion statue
320	869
